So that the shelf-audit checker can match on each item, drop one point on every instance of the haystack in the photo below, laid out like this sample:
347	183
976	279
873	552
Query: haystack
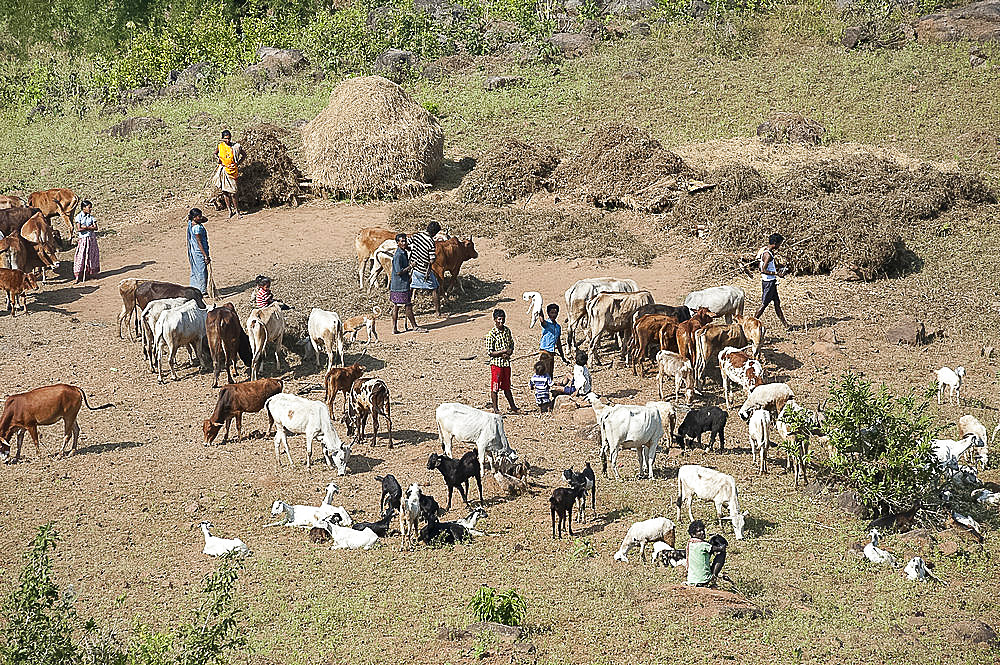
624	167
511	170
372	140
784	127
734	183
268	176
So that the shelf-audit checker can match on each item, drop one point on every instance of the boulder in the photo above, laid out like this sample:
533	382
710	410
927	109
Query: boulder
497	82
920	539
849	501
977	57
974	632
630	8
137	125
570	43
275	63
979	21
907	330
193	75
640	29
395	63
855	36
138	95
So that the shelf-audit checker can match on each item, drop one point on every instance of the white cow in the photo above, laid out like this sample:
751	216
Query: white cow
626	426
177	327
578	295
459	422
265	326
724	301
711	485
147	324
292	414
327	329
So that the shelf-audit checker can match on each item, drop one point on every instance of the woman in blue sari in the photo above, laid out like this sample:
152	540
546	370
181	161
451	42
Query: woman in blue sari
198	256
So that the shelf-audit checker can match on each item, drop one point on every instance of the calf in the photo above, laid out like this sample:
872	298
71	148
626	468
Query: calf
449	256
686	345
712	339
561	502
648	330
698	421
27	255
457	473
672	364
177	327
392	492
458	422
770	396
340	380
711	485
265	326
56	201
739	367
226	341
368	397
127	288
15	283
24	412
236	399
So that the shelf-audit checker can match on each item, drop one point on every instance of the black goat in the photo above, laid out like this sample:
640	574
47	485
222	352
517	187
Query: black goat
381	528
562	501
588	478
443	533
429	508
391	493
458	472
697	421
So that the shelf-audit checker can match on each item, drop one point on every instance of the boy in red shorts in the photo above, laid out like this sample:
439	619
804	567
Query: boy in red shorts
500	348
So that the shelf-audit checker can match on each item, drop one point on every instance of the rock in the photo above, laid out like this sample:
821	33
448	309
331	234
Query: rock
951	542
507	634
563	404
906	331
921	539
395	64
698	9
977	58
497	82
854	36
442	11
847	274
288	58
191	508
640	29
825	349
979	22
137	125
630	8
193	75
570	43
584	417
848	501
974	632
813	489
138	95
632	75
150	163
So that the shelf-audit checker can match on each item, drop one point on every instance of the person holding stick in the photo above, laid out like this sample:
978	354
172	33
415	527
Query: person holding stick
500	348
198	256
770	271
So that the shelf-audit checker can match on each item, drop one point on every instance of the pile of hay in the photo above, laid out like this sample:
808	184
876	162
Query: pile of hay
513	169
624	167
268	176
848	212
372	140
539	233
783	127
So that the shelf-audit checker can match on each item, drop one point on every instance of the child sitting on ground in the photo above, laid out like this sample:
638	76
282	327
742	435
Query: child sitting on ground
541	385
262	296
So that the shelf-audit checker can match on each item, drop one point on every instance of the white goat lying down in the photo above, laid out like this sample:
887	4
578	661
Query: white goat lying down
642	533
222	546
306	517
346	538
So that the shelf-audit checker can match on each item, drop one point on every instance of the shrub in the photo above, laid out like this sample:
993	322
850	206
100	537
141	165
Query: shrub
507	608
881	445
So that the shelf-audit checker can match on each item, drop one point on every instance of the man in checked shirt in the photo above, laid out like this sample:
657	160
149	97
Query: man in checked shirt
500	347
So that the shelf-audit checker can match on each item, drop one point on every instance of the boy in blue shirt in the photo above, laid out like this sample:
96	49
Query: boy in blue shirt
551	340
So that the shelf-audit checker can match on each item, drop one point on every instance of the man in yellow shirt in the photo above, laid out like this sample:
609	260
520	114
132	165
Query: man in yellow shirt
229	155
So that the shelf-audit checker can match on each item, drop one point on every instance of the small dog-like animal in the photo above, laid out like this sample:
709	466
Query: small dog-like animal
354	324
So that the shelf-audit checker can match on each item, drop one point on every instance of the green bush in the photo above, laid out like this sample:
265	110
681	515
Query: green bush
507	608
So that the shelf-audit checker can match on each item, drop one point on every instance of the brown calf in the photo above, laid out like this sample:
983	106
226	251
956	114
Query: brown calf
57	201
236	399
24	412
126	288
226	340
754	331
365	244
368	397
647	330
15	283
713	338
449	255
340	380
685	334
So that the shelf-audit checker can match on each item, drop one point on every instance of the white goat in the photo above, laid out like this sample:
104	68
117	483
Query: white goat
770	396
222	546
307	517
409	515
948	453
326	329
642	533
346	538
953	379
534	300
916	569
759	427
875	554
711	485
673	364
970	425
983	495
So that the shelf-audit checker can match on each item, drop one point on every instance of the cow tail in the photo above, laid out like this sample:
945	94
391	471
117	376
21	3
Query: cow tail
93	408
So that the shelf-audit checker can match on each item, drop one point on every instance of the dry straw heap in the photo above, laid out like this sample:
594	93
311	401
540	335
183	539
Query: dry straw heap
268	176
372	140
513	169
783	127
624	167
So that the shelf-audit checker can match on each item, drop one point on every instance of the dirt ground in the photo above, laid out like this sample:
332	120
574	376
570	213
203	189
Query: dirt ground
125	505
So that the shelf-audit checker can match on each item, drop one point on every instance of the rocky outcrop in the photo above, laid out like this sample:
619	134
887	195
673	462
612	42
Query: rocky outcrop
979	22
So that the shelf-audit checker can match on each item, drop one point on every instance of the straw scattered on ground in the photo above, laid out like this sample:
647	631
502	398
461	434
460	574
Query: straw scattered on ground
373	141
269	176
784	127
624	167
511	170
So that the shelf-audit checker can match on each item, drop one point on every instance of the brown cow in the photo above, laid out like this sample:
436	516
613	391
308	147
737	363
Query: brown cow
13	219
39	231
126	288
685	334
26	255
236	399
647	330
15	283
714	338
226	340
365	244
56	201
340	380
368	397
7	202
24	412
149	290
449	255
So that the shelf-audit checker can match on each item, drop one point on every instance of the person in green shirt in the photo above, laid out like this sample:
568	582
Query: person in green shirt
702	568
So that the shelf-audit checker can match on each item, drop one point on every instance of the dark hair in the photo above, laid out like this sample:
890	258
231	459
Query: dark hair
226	133
263	279
696	527
400	236
581	358
539	367
433	229
552	306
498	313
194	213
775	239
86	202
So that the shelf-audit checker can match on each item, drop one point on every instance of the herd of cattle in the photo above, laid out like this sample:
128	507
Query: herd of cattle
681	341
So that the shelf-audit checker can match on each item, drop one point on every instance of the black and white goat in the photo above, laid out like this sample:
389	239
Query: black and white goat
381	528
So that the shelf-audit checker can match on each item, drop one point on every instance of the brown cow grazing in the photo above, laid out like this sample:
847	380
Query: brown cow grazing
26	255
236	399
149	290
685	334
13	219
754	331
39	231
340	380
15	283
24	412
226	340
449	255
365	244
126	288
368	397
7	202
56	201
